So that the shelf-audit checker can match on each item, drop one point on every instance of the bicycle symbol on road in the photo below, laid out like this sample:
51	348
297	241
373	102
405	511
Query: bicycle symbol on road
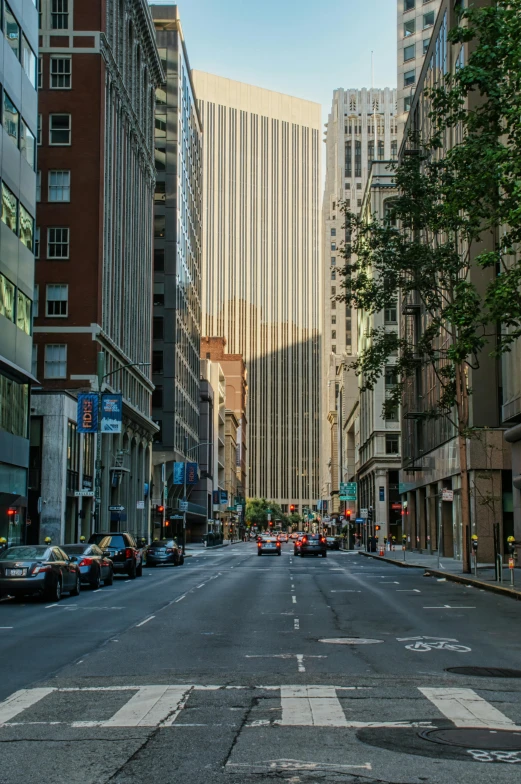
424	644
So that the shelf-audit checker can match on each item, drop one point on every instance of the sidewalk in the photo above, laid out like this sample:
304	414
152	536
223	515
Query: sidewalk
453	570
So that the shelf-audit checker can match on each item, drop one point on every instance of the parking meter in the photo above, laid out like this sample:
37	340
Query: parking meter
511	546
474	543
404	544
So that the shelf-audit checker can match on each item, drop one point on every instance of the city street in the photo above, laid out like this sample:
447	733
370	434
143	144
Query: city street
235	668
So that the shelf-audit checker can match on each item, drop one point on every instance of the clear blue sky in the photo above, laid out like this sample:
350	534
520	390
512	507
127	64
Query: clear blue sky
301	47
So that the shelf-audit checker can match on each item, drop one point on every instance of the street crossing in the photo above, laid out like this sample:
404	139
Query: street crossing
156	706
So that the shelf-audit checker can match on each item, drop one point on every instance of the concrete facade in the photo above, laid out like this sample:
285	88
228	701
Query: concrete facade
261	271
18	77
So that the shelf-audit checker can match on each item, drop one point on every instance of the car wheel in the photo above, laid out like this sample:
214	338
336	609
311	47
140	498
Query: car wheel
181	559
95	584
132	572
139	570
324	555
77	588
279	553
259	552
54	594
110	579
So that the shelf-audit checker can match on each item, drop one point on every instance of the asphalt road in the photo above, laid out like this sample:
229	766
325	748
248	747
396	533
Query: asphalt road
237	669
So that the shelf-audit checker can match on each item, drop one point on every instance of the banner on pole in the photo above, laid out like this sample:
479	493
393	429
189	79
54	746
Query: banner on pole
87	413
111	413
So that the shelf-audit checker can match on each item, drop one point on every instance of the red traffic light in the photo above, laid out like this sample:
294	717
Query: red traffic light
292	508
160	508
11	512
377	527
348	513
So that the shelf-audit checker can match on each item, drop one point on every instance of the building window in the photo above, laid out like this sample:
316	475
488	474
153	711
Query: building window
27	145
428	19
333	334
370	151
40	72
9	208
333	231
391	377
159	295
409	52
359	202
160	193
407	101
333	246
348	202
57	297
39	131
38	186
59	185
333	274
348	163
358	159
58	243
60	14
157	397
60	130
159	259
7	291
160	126
408	5
28	61
12	31
61	73
11	119
333	305
390	314
26	228
23	312
36	300
160	96
157	328
381	150
157	362
333	349
392	445
333	260
34	363
394	149
158	435
358	186
159	226
55	361
37	242
409	28
409	77
333	291
333	319
160	156
426	42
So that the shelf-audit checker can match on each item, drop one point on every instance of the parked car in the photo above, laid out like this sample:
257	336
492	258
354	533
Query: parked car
296	544
121	548
333	543
313	544
38	569
164	551
268	544
95	567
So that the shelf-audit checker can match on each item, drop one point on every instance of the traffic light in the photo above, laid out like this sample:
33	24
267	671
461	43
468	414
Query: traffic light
348	514
160	509
292	508
377	527
271	523
11	512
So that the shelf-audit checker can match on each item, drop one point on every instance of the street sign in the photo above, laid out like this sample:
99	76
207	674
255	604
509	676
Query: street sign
239	507
84	493
176	517
348	491
447	495
364	513
183	506
359	520
140	504
116	508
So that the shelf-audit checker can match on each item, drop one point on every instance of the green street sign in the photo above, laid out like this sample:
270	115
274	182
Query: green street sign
348	491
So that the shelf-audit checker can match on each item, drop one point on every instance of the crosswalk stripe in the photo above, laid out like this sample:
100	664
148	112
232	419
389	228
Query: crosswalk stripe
20	701
150	706
311	706
465	708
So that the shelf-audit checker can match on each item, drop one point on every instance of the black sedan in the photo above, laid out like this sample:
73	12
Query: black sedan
313	544
164	551
95	567
38	570
333	543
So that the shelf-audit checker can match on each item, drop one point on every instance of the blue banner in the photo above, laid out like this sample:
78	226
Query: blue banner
87	413
192	473
224	496
179	473
111	413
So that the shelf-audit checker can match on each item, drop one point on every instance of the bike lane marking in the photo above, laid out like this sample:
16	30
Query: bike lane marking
465	708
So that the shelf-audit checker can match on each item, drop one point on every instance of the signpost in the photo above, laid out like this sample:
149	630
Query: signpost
84	493
183	506
348	491
447	495
116	508
140	505
364	513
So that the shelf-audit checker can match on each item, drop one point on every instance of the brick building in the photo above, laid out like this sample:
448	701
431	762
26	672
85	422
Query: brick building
98	70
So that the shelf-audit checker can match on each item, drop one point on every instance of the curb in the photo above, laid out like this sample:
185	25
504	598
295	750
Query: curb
455	578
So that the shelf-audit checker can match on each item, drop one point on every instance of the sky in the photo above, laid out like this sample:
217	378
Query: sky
305	48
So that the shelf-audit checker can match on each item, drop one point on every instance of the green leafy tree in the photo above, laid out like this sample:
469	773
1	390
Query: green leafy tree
449	245
257	512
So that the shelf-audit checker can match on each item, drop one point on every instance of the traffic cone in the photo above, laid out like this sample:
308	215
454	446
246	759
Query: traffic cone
381	551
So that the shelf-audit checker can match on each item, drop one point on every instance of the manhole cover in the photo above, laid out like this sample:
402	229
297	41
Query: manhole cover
485	672
350	641
486	740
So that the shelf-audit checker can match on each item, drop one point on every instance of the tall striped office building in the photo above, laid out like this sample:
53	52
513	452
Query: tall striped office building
261	283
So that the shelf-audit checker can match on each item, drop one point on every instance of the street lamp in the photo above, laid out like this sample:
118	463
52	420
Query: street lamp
101	378
185	502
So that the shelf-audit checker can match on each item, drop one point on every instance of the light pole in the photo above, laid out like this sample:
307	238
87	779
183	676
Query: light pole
101	378
185	500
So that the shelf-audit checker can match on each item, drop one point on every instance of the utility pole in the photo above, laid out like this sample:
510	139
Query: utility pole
184	494
97	481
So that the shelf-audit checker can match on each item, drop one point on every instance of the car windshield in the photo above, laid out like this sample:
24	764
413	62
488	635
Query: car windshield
163	543
112	541
75	549
26	553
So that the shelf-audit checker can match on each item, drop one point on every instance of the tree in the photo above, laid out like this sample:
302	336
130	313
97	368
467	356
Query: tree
449	244
257	512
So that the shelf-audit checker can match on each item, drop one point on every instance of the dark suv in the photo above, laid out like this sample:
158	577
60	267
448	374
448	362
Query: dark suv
121	548
313	544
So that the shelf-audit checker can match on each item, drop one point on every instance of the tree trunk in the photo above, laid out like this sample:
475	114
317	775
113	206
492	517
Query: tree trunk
462	398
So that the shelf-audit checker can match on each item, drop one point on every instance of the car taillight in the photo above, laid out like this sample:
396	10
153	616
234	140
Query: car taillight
259	544
170	550
42	568
322	540
128	552
278	544
85	562
304	540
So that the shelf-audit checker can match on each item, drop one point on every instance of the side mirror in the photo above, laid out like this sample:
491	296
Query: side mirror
73	558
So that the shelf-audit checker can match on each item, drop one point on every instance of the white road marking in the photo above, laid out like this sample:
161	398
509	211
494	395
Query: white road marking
273	766
408	590
448	607
6	627
127	581
311	706
294	599
20	701
296	624
465	708
150	706
180	598
346	591
201	586
145	621
300	662
393	582
350	641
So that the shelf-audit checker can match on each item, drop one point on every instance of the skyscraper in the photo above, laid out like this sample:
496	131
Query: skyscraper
416	19
261	271
361	128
